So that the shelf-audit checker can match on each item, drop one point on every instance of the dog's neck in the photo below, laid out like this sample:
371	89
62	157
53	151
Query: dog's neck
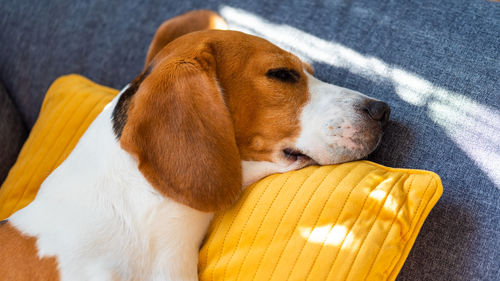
97	200
100	168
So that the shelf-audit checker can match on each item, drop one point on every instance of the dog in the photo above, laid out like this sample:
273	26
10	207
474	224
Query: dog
212	112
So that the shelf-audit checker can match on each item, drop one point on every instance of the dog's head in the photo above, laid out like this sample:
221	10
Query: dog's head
215	110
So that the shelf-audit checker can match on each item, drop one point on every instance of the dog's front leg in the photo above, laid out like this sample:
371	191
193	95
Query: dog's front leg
182	267
176	233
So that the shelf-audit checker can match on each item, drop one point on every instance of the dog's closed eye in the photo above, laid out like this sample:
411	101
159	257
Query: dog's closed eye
284	75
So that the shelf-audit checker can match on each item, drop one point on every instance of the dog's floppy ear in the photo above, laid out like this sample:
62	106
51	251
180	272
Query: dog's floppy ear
180	25
181	133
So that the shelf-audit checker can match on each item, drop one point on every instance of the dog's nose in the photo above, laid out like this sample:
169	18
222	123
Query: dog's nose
378	111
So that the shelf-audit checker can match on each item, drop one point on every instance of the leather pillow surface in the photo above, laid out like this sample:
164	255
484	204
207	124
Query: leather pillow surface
352	221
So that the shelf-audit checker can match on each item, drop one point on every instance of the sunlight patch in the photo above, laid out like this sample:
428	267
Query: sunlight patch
324	234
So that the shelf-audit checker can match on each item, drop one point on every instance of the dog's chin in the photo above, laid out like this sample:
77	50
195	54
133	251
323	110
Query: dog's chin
368	149
356	149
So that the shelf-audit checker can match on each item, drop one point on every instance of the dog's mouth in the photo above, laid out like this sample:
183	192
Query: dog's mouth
342	149
294	155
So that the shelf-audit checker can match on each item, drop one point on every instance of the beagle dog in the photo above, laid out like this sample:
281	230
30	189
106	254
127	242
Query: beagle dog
212	112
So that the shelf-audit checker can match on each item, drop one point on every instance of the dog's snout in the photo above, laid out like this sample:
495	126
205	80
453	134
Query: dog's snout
378	111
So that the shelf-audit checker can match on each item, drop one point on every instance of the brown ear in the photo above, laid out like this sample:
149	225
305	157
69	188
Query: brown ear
180	131
180	25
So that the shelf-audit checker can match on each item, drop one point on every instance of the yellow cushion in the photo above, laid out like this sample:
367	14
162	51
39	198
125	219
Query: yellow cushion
352	221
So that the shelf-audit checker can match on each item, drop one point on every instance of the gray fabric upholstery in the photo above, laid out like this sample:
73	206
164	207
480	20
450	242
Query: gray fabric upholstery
437	63
12	133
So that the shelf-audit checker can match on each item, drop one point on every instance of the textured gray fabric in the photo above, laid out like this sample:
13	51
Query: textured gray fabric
12	133
437	63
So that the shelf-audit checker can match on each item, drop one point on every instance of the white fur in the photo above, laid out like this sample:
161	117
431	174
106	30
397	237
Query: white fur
101	218
255	170
332	125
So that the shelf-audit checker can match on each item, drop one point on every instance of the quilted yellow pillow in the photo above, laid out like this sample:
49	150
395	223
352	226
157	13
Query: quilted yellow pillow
352	221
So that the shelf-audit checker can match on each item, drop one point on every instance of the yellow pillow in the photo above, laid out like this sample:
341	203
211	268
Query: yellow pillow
352	221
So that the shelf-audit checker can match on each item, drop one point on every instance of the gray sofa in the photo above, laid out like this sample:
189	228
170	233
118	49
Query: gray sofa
437	64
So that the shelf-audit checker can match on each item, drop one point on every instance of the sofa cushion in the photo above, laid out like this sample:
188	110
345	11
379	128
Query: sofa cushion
12	133
354	220
436	63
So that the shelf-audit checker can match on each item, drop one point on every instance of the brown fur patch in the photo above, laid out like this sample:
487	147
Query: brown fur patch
207	105
181	25
180	131
260	107
19	260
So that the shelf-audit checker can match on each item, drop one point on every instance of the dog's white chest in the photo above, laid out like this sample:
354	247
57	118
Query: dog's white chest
111	224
